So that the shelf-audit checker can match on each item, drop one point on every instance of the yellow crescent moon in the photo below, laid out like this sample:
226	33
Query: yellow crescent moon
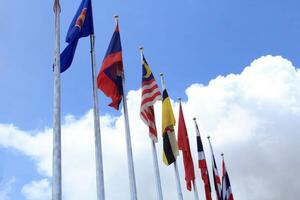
148	72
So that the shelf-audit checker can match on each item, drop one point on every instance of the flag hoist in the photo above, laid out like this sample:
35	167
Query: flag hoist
82	26
184	146
217	180
150	94
112	83
56	164
202	164
170	147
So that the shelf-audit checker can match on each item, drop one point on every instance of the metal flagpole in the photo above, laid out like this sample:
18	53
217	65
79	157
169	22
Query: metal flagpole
56	165
128	140
155	160
156	170
180	196
98	145
195	190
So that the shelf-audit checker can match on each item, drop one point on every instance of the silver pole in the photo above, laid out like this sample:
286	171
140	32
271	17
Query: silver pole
98	145
156	171
155	160
180	196
195	190
129	148
56	165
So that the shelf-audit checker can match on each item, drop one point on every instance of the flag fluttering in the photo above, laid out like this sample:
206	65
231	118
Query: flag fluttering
184	146
150	94
226	187
202	164
170	147
81	26
217	180
109	79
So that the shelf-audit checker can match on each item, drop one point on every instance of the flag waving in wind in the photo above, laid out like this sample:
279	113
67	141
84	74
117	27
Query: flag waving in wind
217	180
184	146
202	164
81	26
226	187
109	79
170	147
150	94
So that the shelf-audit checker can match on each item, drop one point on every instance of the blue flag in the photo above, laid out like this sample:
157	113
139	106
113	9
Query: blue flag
81	26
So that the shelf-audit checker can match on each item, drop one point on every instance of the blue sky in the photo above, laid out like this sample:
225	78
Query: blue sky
189	41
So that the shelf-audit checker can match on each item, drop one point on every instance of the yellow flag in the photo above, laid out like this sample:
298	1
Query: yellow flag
170	147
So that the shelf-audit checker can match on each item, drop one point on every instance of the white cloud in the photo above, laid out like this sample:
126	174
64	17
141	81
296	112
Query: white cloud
37	190
253	117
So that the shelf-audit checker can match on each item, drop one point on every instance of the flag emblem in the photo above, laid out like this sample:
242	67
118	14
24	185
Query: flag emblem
150	94
81	18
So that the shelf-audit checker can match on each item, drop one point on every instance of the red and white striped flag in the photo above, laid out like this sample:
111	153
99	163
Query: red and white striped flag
217	180
202	164
150	94
226	187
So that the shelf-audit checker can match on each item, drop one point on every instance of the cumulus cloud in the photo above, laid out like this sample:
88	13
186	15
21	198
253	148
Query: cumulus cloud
37	190
253	117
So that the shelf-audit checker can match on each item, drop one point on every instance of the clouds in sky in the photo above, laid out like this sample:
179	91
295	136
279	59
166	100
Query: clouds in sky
253	117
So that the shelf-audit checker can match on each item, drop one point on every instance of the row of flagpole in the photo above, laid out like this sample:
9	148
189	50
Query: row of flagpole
82	17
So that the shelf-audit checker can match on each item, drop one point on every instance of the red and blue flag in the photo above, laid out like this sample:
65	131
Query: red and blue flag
81	26
109	79
226	187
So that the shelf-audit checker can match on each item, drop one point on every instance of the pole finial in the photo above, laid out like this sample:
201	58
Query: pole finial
222	154
208	137
179	99
56	6
194	118
116	18
161	74
141	48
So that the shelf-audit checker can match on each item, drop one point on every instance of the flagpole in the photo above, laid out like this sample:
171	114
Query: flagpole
195	190
179	191
222	181
128	139
180	196
155	160
56	170
98	145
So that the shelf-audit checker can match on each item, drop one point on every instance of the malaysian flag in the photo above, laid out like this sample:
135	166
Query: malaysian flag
202	164
217	180
226	187
150	94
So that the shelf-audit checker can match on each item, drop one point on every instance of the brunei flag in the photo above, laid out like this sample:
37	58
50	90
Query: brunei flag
170	147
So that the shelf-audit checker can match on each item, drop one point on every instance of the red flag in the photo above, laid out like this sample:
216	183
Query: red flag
184	146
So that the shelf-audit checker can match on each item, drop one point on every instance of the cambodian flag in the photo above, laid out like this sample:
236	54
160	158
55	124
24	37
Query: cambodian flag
109	79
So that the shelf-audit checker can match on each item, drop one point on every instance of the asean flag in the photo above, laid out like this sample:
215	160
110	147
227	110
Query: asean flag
109	79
